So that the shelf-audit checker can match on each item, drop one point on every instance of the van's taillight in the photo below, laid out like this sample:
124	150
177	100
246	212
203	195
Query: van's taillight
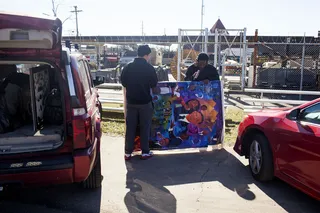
79	111
81	128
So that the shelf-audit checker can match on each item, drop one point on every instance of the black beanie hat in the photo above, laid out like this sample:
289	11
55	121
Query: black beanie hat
203	57
143	50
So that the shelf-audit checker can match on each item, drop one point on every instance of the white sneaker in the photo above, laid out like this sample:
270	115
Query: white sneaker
146	156
127	157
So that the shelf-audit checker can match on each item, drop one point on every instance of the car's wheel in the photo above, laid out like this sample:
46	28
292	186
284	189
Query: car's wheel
260	158
95	178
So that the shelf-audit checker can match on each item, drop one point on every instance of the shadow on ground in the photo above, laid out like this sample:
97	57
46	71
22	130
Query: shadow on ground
147	180
230	125
111	116
55	199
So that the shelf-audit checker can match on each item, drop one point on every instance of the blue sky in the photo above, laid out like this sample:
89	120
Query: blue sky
124	17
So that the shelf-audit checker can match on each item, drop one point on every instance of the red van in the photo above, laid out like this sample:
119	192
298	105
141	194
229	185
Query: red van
49	109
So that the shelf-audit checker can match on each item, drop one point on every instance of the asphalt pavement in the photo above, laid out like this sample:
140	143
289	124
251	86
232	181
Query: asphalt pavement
186	182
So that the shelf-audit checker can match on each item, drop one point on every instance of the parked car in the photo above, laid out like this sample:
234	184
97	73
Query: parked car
284	143
50	115
187	62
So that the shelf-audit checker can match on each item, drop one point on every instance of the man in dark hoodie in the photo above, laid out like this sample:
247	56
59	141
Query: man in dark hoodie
201	70
138	77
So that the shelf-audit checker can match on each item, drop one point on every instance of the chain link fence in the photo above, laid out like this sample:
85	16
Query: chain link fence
285	66
279	63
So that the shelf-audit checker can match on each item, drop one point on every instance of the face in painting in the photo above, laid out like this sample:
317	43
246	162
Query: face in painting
192	129
204	107
193	104
195	117
167	105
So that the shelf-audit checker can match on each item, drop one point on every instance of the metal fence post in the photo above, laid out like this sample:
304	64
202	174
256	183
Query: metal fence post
216	40
206	40
219	57
179	56
244	61
302	64
255	57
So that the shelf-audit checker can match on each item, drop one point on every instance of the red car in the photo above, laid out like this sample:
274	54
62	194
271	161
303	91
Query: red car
49	109
284	143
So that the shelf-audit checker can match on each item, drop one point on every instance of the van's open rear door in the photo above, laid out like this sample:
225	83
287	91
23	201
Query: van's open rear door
30	37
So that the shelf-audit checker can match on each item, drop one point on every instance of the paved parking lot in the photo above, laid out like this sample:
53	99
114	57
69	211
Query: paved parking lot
214	181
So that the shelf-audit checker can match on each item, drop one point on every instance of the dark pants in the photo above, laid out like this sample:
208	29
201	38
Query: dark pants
143	115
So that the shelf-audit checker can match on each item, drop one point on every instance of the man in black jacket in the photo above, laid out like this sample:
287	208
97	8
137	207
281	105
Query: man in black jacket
138	77
201	70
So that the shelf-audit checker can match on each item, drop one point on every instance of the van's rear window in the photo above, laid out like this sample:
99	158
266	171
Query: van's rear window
18	35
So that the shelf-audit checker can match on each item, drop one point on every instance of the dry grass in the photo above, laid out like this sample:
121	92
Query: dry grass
233	118
112	105
113	124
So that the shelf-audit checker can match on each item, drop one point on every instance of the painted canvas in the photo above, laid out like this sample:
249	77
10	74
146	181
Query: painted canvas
186	115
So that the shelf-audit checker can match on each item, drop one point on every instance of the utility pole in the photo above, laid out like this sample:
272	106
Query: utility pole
142	28
202	13
143	34
76	11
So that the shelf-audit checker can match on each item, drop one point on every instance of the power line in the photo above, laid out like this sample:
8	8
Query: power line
76	11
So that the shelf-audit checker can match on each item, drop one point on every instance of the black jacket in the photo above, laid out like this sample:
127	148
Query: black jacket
209	72
138	77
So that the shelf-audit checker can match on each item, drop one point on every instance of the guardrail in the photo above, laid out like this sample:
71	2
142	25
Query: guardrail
110	92
263	100
287	92
109	86
119	86
247	108
102	89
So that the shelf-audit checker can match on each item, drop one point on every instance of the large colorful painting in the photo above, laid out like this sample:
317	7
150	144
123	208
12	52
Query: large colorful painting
186	115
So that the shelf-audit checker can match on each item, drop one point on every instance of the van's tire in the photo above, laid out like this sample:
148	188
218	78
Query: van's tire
261	158
95	178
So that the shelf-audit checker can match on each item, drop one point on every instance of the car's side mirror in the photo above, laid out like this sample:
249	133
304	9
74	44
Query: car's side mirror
294	114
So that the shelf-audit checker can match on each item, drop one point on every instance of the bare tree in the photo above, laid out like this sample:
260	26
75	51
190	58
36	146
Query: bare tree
55	7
